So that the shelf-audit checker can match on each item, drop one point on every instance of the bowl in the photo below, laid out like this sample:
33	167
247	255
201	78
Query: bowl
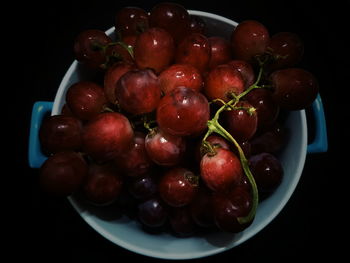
128	234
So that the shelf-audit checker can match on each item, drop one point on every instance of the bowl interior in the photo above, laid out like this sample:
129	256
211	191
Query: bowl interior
129	234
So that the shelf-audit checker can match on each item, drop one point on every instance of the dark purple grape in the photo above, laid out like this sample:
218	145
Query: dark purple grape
143	187
267	171
152	213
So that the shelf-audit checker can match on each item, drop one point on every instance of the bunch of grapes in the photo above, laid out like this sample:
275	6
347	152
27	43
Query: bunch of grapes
184	126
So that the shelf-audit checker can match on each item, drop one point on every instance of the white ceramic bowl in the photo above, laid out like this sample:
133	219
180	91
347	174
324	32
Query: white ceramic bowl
128	234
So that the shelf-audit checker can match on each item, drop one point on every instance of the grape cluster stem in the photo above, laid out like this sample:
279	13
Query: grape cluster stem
215	127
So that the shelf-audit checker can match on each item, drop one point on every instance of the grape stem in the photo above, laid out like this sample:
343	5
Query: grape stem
215	127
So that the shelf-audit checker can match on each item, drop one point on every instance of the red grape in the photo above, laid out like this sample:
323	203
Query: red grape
138	91
221	170
241	123
107	136
266	108
111	78
85	99
131	21
154	49
249	39
246	70
197	24
60	133
183	112
287	50
178	187
165	149
222	81
172	17
228	207
180	75
103	184
194	50
89	48
220	51
294	88
63	173
135	161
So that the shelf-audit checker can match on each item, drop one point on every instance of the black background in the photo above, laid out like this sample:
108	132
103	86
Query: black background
49	228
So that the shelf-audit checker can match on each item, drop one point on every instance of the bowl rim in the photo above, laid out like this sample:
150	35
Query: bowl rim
175	256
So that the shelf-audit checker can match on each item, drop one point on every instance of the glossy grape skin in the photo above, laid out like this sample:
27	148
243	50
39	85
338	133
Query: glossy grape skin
180	75
63	173
197	25
60	133
143	187
246	70
215	141
183	112
241	123
222	81
267	171
178	187
181	222
165	149
103	184
153	212
135	161
111	78
154	49
138	91
294	88
266	108
85	99
287	50
106	136
249	39
131	20
89	48
172	17
229	207
221	171
195	50
220	51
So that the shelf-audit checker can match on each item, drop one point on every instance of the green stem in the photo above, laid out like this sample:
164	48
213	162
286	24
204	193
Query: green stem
220	130
129	49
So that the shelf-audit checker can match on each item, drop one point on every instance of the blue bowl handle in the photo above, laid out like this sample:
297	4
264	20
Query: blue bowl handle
35	156
320	143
